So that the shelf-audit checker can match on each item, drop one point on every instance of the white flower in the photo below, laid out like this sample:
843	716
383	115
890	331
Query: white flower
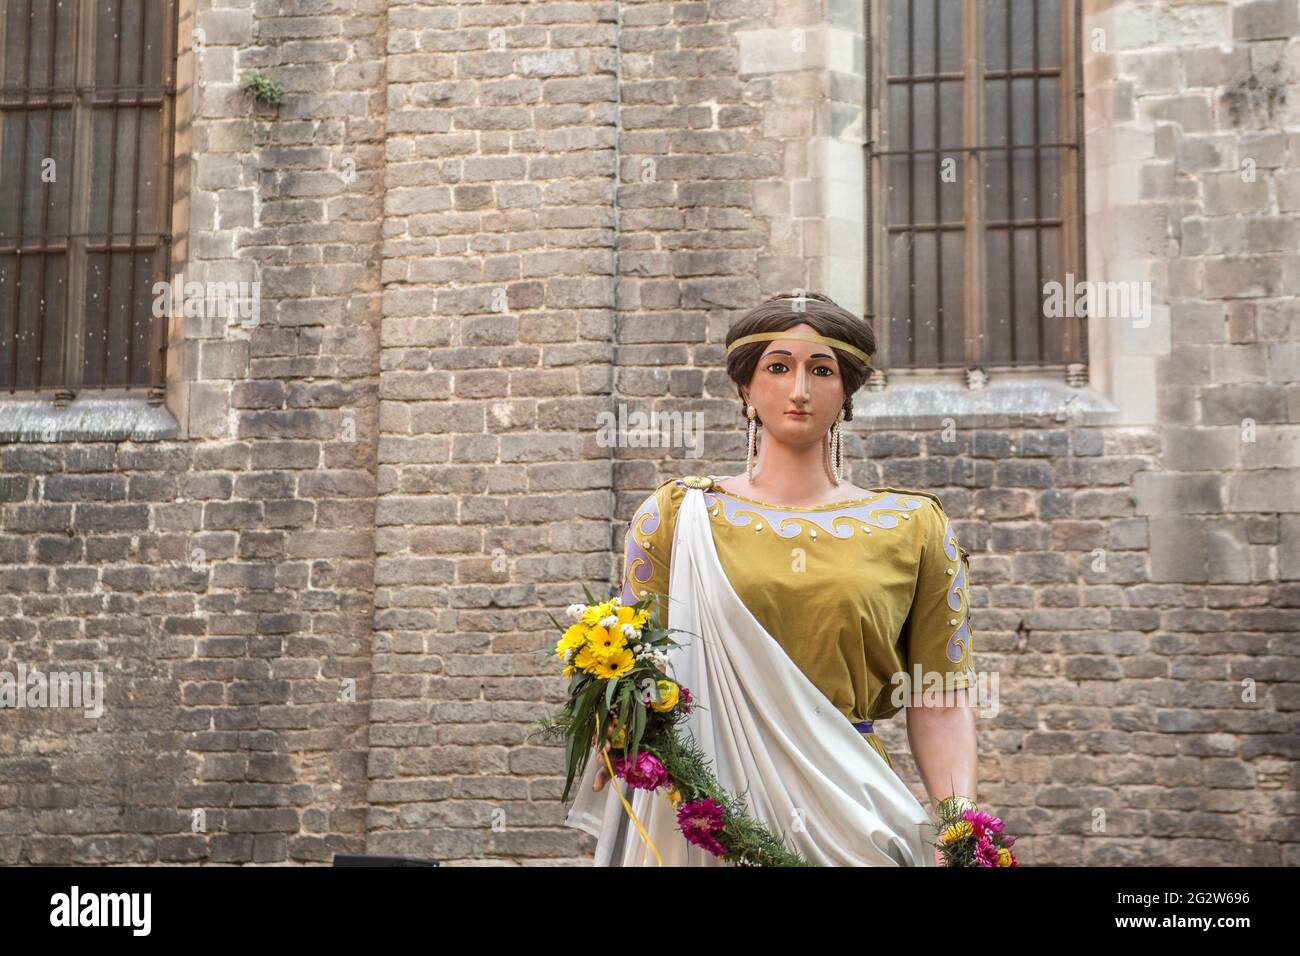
575	611
629	631
609	621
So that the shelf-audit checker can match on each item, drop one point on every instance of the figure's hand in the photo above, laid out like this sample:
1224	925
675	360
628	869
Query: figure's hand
938	857
602	775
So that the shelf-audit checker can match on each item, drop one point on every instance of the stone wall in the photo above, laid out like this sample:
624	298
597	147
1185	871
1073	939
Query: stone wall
1194	154
493	496
221	580
478	227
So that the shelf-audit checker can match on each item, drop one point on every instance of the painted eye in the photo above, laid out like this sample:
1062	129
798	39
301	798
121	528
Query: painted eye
777	367
825	368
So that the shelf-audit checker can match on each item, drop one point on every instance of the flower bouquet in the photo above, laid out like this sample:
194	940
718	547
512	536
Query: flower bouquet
621	701
970	837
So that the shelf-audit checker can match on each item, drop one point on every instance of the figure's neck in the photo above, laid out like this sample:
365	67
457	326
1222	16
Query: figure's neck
791	473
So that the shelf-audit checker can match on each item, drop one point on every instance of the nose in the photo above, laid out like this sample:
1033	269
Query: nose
800	393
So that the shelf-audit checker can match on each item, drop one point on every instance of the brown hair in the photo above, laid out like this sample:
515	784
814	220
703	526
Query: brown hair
778	314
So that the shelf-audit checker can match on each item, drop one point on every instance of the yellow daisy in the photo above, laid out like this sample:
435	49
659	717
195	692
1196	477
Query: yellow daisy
605	644
615	666
626	615
596	613
587	659
573	639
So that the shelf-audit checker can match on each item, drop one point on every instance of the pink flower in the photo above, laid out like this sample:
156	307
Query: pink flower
699	821
985	852
646	773
684	702
981	821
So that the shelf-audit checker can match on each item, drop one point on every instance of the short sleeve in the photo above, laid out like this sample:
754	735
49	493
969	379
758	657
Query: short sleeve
647	549
937	633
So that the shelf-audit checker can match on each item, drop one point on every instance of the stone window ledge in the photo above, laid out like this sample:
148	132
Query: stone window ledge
1008	403
101	416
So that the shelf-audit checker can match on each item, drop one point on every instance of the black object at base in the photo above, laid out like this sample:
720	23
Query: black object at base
346	859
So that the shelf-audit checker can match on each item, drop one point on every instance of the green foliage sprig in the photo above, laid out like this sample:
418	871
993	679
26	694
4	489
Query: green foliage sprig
262	88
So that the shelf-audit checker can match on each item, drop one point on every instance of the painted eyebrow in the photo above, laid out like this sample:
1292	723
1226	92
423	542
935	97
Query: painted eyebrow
791	354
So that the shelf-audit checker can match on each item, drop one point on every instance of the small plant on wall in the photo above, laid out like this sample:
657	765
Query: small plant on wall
264	90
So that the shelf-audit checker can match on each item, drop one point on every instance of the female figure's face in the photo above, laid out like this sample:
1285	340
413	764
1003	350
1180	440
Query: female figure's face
797	389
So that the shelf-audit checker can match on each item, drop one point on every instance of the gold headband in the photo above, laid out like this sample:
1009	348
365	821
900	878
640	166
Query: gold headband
802	337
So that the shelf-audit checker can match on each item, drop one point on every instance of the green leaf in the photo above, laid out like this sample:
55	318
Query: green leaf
582	714
638	721
611	691
570	769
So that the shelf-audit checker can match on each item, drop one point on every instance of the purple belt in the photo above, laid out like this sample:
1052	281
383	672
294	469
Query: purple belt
863	727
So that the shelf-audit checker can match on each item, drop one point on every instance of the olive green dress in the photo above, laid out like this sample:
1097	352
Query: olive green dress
855	591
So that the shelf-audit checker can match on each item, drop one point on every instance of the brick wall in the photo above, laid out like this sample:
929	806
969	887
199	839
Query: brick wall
222	583
493	496
478	227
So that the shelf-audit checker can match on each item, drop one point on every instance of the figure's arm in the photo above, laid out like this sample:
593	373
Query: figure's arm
940	715
942	739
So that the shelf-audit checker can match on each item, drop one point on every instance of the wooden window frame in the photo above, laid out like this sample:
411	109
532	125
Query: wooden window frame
1073	240
67	381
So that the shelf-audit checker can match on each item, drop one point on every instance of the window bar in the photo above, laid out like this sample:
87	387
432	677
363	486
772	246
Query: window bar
133	212
34	244
22	206
1078	340
72	362
62	393
1022	73
1011	190
35	107
45	208
1033	147
911	189
867	166
163	247
923	77
77	89
938	193
973	317
1038	188
990	223
107	284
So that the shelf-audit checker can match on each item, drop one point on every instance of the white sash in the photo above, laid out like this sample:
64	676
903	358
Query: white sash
773	739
